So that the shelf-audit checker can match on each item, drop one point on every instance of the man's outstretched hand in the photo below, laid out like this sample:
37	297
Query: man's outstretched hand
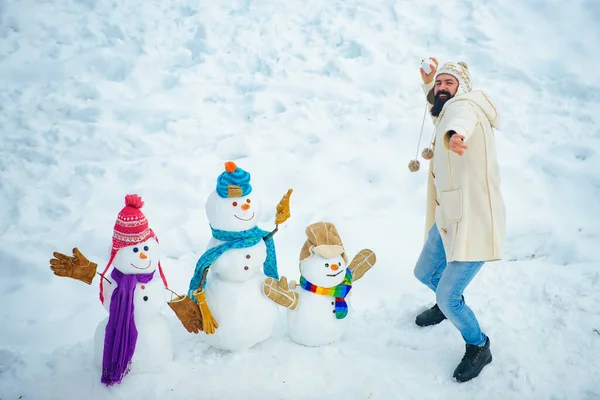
457	143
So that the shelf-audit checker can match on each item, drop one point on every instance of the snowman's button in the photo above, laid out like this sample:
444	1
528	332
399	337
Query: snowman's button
332	303
248	256
246	268
145	298
333	311
142	287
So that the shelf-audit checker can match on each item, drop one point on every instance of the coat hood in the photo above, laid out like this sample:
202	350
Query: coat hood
481	100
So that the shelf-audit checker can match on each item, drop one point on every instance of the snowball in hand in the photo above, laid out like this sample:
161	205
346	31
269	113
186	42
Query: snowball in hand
426	65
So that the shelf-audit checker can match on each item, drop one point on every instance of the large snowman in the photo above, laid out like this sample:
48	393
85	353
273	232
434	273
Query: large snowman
228	277
319	308
135	336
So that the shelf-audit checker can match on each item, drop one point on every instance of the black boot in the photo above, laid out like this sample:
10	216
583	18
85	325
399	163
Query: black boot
433	316
473	361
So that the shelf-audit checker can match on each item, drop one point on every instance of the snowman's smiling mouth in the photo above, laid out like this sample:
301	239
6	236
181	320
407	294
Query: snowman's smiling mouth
149	262
244	219
334	275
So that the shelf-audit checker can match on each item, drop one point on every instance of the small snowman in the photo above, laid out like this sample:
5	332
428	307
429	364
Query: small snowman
228	278
135	336
318	309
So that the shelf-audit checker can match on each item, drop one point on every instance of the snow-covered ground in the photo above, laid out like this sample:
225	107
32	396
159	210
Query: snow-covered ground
103	98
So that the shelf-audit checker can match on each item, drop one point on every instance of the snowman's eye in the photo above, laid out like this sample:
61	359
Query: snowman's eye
326	265
248	201
135	249
145	248
234	204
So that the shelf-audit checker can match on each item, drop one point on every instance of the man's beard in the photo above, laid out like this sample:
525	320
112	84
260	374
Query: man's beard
438	103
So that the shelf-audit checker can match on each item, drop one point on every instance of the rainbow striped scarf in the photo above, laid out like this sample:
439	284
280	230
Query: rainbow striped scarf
339	292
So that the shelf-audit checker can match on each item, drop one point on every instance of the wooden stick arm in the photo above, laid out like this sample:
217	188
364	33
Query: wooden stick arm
273	232
105	278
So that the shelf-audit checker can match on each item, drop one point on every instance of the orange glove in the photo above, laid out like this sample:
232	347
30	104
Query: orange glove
283	208
188	313
209	325
76	267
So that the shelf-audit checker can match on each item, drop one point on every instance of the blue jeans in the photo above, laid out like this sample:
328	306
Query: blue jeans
448	281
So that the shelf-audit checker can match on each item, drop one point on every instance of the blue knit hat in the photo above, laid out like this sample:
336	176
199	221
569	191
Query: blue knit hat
234	182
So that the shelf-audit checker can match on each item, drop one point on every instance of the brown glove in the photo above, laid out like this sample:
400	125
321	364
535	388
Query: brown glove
280	293
283	208
76	267
188	313
361	263
209	325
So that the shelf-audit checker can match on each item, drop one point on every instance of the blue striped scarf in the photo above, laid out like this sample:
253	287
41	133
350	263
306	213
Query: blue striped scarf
234	240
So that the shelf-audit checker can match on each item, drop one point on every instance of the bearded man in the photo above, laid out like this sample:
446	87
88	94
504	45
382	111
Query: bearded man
465	222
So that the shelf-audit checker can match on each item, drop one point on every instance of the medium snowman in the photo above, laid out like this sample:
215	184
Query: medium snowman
228	278
318	309
135	336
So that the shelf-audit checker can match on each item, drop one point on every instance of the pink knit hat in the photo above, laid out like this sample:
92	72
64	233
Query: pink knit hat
130	229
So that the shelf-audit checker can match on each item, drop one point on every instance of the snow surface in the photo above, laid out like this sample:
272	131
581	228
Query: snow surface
101	99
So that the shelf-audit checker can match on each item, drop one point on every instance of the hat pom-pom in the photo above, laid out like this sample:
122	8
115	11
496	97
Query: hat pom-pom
463	64
230	166
427	153
133	200
414	165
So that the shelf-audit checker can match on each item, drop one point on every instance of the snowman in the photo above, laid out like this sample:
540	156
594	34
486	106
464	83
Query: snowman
318	309
135	336
228	278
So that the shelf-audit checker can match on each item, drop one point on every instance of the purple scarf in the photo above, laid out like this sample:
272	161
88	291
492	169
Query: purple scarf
121	333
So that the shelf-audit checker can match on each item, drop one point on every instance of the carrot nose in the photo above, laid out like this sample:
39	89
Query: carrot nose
143	256
334	267
245	206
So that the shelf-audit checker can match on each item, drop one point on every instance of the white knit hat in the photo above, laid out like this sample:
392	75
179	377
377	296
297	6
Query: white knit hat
459	70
